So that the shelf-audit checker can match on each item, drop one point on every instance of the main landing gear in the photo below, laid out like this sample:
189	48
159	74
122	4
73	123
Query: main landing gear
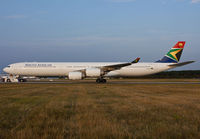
101	80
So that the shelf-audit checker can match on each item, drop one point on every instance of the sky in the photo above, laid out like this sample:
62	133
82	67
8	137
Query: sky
97	30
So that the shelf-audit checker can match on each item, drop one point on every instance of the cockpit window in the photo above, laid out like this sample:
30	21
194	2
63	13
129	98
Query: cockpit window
8	66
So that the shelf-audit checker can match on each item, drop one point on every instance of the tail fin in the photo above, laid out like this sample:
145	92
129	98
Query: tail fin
174	55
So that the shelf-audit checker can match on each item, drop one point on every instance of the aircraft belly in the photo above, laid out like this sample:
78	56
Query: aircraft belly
41	72
140	71
134	72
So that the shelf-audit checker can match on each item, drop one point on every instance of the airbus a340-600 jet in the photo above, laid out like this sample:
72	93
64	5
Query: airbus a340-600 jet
99	70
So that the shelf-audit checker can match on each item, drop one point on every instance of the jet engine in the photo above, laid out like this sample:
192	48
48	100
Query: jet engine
76	75
93	72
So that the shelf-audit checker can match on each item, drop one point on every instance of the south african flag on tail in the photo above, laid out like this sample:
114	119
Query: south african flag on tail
174	55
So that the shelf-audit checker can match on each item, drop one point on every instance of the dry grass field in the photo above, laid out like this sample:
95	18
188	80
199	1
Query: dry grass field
99	111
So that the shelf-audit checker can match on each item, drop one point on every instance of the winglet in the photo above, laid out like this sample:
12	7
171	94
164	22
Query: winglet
136	60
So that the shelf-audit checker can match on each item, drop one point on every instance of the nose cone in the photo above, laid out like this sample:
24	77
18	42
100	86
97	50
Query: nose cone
6	70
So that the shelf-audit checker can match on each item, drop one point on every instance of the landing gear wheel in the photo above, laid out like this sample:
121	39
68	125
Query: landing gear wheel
98	81
101	80
8	80
22	80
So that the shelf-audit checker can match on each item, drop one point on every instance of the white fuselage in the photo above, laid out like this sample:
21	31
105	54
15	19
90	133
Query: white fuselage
63	69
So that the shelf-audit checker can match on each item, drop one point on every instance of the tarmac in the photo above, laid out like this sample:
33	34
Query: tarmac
108	82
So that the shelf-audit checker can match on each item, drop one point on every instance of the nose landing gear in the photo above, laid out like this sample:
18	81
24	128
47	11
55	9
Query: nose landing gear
101	80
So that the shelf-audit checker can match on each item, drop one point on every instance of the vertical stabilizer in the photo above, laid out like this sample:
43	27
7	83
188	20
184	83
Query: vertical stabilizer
174	55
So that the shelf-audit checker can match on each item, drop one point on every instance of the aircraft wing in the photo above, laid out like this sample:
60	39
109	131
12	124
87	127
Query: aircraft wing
118	66
106	69
181	64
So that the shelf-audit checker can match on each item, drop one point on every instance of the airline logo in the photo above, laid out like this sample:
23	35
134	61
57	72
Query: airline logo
180	44
137	60
176	51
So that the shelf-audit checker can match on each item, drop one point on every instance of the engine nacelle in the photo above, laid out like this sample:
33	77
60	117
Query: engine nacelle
93	72
75	75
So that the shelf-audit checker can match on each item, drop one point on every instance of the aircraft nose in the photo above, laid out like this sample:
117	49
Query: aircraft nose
5	69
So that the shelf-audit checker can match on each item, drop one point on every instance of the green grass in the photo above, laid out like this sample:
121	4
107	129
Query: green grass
99	111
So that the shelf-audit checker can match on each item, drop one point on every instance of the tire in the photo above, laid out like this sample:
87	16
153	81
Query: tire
8	80
98	80
22	80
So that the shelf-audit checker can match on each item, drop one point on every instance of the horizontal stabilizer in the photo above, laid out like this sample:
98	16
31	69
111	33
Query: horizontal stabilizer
181	64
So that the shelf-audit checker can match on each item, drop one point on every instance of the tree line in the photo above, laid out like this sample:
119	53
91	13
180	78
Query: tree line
174	74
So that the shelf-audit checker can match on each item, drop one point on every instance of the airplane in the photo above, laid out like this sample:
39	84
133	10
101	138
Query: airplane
99	70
